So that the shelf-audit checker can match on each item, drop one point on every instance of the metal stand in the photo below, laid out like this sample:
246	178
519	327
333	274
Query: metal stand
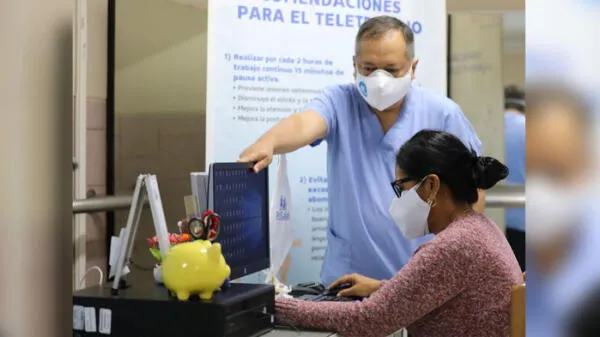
145	183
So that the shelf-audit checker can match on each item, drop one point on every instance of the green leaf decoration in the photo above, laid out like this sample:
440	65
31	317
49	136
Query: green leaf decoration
156	253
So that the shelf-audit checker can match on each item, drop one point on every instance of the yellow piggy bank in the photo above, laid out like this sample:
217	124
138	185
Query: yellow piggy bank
196	267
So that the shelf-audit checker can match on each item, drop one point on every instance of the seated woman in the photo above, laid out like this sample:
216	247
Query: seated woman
457	284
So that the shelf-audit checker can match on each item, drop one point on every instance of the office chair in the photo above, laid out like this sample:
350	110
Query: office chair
517	311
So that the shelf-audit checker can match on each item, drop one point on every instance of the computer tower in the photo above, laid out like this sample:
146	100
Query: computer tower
147	310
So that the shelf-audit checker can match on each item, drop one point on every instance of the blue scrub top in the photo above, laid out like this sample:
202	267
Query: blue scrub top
362	237
514	145
552	299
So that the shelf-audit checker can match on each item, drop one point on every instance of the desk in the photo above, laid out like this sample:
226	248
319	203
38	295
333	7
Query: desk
294	333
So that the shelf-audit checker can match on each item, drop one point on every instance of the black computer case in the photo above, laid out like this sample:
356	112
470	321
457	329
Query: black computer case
148	311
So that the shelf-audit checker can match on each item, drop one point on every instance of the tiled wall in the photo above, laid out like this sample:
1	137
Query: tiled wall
168	144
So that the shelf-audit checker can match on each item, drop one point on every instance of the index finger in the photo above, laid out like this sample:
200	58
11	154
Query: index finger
258	166
249	158
348	292
341	280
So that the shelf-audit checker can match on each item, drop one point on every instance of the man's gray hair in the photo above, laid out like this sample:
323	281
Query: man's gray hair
375	27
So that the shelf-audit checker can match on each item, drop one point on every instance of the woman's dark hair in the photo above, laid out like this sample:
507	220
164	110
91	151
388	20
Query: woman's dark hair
443	154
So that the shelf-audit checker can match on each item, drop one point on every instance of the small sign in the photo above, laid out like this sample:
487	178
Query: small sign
78	318
104	326
90	319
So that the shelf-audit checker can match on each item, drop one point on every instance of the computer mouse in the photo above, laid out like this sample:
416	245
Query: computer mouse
335	290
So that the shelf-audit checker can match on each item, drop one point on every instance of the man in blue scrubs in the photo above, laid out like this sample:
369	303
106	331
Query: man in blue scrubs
364	124
514	142
563	234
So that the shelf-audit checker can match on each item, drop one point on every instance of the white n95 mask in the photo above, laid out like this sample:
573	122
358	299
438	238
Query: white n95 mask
381	90
410	213
551	210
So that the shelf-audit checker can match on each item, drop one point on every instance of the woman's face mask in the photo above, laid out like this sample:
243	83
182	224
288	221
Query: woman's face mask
410	213
381	89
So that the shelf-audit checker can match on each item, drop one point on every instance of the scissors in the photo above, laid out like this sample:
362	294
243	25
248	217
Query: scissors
206	227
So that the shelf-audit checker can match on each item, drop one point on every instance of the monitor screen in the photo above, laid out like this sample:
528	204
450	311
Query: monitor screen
240	197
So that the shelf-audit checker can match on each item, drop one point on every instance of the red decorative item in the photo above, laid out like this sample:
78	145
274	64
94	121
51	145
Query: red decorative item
153	241
208	224
212	223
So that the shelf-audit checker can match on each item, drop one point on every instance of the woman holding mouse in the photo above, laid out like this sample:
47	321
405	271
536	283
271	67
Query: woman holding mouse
457	284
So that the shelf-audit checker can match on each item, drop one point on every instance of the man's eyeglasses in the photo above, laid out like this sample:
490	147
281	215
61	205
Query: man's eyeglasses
397	185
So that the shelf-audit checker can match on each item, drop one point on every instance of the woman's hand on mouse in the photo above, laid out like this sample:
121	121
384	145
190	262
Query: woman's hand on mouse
361	286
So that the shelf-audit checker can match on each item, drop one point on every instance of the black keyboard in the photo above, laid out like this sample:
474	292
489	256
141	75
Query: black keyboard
325	298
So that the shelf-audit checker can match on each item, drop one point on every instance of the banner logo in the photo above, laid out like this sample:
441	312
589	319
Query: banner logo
283	214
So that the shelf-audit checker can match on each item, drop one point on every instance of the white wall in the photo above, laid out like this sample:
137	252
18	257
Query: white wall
513	48
485	5
97	50
476	80
35	185
97	12
513	69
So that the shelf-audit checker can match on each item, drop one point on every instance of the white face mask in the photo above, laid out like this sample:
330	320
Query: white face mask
552	210
410	213
382	90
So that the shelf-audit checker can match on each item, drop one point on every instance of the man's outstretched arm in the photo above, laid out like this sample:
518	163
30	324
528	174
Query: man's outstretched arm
292	133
